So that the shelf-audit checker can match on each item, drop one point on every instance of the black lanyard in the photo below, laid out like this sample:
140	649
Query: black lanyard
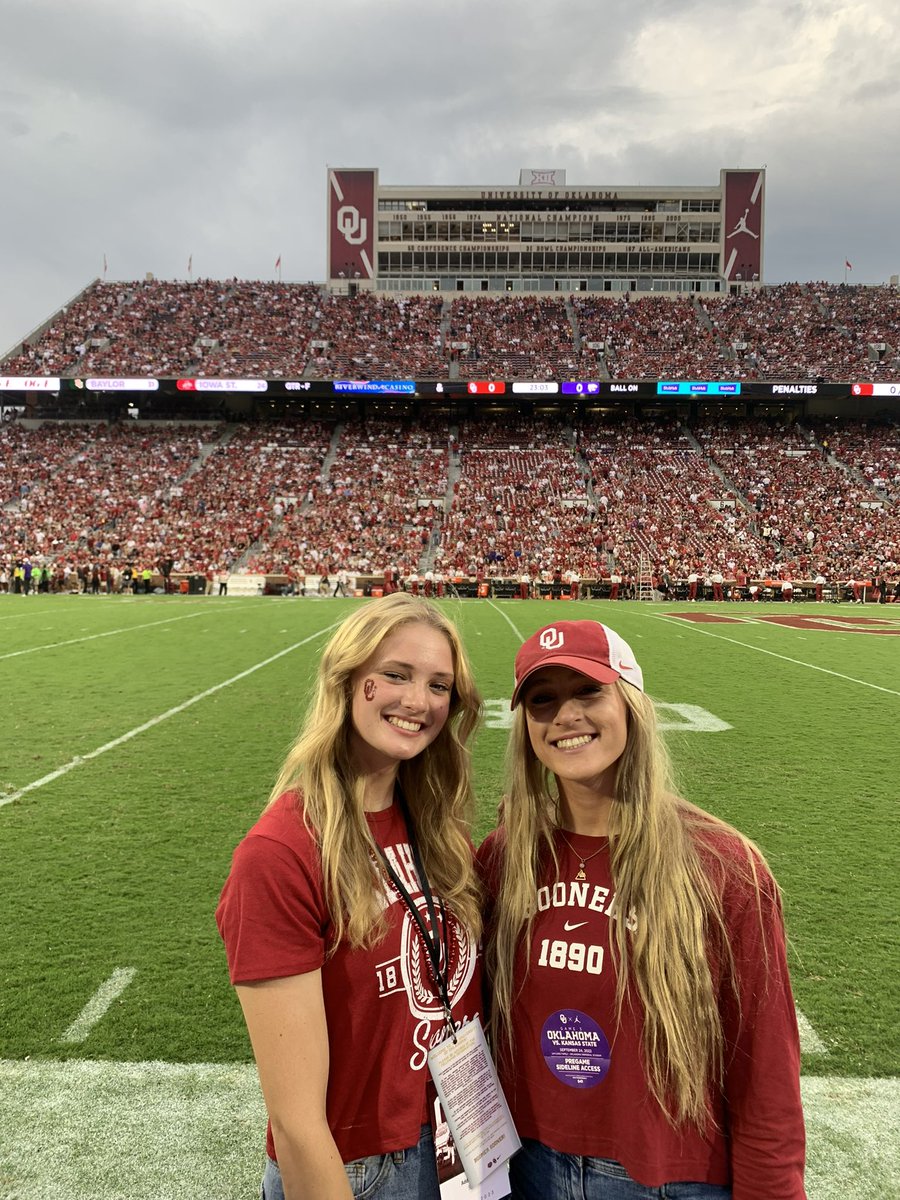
432	941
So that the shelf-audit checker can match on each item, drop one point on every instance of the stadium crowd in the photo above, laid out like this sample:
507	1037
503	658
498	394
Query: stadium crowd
657	497
657	336
277	330
532	501
516	337
520	502
811	508
376	337
375	507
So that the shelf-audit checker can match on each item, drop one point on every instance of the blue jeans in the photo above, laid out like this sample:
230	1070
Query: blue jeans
402	1175
539	1173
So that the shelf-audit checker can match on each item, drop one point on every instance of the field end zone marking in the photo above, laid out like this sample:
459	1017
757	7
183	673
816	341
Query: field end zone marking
97	1006
816	622
172	712
762	650
691	718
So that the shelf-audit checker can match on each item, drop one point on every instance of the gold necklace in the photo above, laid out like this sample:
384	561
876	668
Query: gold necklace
581	859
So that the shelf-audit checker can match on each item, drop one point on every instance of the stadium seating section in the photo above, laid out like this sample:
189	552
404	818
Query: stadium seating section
484	499
487	499
214	328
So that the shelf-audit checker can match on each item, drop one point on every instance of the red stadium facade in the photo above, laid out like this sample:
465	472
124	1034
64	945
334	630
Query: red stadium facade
742	225
351	225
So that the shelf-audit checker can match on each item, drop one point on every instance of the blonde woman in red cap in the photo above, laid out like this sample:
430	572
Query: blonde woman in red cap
645	1028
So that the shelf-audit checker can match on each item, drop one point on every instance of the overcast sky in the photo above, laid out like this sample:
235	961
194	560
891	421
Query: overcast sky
152	131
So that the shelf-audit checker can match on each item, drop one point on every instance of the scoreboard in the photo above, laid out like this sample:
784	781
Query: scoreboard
572	389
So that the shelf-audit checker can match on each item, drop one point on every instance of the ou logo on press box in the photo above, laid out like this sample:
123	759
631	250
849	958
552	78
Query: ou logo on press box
354	227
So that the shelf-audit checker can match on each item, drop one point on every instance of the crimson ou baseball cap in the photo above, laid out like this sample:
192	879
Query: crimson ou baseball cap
588	647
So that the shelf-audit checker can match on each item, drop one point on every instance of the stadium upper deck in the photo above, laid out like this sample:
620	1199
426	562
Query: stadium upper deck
545	235
211	348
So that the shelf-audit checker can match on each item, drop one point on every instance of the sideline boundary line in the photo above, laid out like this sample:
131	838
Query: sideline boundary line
810	1042
172	712
198	1129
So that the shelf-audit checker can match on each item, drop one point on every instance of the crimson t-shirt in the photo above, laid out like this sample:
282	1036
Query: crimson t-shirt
574	1078
381	1005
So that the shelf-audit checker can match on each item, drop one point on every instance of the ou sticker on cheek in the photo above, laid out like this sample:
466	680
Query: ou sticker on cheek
369	689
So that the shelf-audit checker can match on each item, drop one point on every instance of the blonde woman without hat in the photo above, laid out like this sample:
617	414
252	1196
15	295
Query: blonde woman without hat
332	970
644	1023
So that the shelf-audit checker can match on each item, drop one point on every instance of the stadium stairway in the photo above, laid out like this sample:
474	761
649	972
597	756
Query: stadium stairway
853	472
454	467
573	321
207	448
331	455
702	314
726	351
15	504
275	524
34	335
454	470
444	327
717	471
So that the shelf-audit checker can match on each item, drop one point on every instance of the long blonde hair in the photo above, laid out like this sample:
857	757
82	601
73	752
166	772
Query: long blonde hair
663	852
436	784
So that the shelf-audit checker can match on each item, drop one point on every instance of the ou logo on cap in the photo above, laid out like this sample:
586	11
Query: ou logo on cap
551	638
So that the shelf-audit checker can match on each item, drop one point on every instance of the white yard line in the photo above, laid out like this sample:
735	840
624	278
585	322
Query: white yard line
96	1008
92	637
810	1042
18	616
46	612
798	662
520	636
172	712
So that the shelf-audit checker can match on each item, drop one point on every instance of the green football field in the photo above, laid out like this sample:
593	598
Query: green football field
140	737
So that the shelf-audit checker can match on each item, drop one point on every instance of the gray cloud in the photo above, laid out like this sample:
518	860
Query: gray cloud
157	130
